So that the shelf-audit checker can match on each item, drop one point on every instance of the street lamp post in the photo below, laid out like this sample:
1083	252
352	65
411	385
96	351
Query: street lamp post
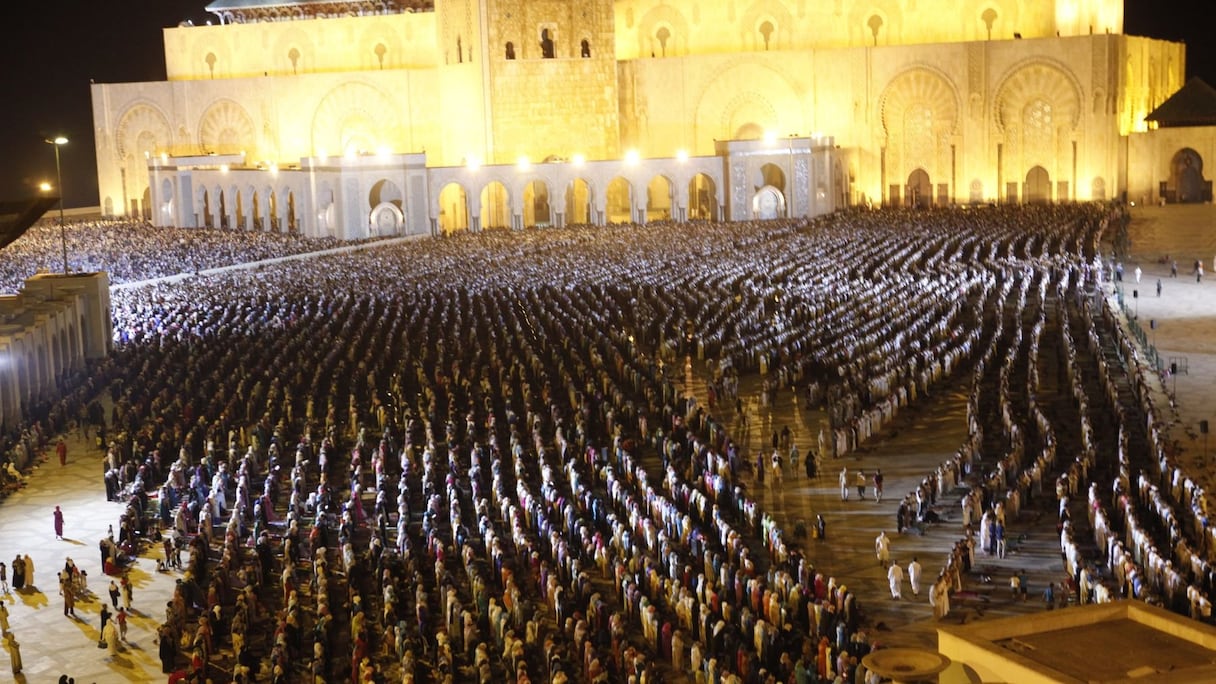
58	142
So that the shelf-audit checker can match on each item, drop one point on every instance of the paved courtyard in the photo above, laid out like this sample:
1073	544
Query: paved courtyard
920	439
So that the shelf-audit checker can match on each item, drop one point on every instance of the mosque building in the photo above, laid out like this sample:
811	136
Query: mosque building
398	117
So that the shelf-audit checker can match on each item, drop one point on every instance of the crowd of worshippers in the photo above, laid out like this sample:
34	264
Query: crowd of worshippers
432	461
1157	548
131	250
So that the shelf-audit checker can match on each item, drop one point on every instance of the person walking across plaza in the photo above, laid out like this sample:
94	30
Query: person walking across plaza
882	548
895	577
58	515
114	593
3	618
61	449
4	578
914	572
861	485
844	484
68	589
127	589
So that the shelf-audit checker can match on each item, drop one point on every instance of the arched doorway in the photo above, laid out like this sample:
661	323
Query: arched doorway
1038	186
658	199
768	203
385	191
536	204
204	203
453	209
223	209
702	198
578	202
772	176
620	201
293	226
325	211
272	203
918	193
166	203
385	219
1097	190
1186	177
240	211
495	206
146	209
257	210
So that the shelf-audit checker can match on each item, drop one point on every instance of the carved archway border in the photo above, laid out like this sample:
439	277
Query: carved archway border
1001	90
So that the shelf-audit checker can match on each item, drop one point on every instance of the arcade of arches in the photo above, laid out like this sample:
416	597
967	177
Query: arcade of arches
576	204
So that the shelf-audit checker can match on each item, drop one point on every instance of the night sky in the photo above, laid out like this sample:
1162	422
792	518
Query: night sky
48	66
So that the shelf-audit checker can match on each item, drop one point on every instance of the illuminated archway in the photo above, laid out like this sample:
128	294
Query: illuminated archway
223	202
772	175
258	221
386	219
453	209
1186	176
272	205
1038	186
325	210
385	191
659	199
918	193
241	218
619	208
166	203
293	224
578	202
495	206
702	198
768	203
536	204
204	203
1098	189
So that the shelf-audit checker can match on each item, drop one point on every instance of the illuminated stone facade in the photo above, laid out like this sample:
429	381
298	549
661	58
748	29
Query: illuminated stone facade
926	102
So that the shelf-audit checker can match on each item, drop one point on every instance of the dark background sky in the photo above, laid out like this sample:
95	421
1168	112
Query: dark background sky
44	89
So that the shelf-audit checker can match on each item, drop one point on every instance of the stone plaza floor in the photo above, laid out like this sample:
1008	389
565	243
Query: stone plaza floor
917	441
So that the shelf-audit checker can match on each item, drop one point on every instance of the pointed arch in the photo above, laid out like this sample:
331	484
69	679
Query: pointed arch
578	202
750	94
354	117
536	208
618	207
702	198
1037	80
1038	186
226	128
660	199
1186	177
453	209
768	203
495	206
